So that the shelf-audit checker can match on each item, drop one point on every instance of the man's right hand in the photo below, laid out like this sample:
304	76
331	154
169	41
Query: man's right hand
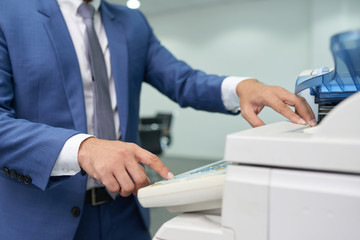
117	164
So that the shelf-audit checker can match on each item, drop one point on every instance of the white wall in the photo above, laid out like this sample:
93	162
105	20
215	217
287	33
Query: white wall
338	16
272	40
264	39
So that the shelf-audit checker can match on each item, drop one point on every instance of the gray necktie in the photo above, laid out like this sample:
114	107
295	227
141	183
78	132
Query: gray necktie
104	126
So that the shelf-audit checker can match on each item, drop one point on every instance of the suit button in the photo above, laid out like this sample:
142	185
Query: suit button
75	211
13	173
6	171
20	177
27	180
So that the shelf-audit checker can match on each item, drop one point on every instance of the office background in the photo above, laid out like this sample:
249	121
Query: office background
271	40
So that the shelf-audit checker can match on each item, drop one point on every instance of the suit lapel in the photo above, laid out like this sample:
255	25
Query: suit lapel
67	60
119	62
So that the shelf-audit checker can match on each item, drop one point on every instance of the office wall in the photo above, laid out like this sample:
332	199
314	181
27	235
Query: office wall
272	40
330	17
264	39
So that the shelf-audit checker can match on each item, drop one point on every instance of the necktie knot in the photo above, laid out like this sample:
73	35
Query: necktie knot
86	11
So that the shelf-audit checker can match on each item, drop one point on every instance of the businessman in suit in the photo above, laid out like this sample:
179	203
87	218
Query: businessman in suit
60	178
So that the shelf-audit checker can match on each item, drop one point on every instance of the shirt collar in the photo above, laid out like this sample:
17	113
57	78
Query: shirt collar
73	5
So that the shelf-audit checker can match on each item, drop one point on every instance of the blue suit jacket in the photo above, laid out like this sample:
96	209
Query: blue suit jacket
42	105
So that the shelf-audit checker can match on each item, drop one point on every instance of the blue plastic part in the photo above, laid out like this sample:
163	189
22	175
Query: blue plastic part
344	80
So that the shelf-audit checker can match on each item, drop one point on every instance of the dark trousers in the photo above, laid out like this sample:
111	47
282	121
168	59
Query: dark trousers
115	220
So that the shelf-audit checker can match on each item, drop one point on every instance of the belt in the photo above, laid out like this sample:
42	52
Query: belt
97	196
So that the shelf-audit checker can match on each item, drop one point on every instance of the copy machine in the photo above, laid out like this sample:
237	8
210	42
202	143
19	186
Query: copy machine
281	181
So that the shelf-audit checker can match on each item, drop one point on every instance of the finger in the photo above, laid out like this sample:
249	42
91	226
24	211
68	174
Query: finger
138	175
250	116
154	162
312	122
127	186
285	110
110	183
277	101
302	108
312	118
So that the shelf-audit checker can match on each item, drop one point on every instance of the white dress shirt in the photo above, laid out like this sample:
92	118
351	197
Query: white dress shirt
67	162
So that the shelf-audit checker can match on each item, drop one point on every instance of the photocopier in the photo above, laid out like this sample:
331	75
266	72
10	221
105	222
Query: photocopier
281	181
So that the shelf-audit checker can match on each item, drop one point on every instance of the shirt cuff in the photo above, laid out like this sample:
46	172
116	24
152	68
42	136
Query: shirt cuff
67	161
228	93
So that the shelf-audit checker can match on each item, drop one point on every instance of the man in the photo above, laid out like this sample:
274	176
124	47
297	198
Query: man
54	158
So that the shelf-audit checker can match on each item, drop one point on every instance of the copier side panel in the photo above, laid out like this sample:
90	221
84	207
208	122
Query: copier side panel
314	205
245	202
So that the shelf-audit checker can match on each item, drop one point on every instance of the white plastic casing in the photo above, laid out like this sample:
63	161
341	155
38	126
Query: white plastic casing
332	146
276	204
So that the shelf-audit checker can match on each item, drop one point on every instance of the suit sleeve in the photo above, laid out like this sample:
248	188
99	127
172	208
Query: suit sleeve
26	148
181	83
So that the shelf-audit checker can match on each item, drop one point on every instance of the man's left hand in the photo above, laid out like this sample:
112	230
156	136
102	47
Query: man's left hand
254	96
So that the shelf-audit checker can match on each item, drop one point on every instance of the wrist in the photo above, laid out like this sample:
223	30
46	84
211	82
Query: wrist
84	150
244	86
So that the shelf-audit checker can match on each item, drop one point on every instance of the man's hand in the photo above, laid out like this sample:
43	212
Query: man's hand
117	164
254	96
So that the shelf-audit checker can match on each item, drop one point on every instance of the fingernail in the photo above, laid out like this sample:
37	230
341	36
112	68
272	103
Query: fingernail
302	121
313	122
170	175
